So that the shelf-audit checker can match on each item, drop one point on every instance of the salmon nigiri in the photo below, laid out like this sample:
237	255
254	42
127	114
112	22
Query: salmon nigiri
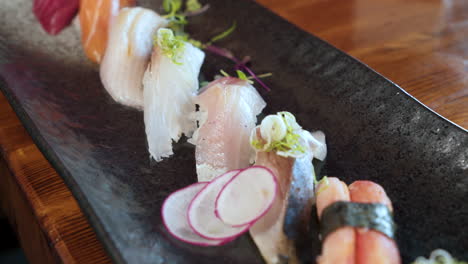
339	246
170	84
95	18
373	247
229	107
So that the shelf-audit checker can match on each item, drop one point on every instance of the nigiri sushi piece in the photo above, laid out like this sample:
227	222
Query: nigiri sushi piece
54	15
170	85
373	247
228	112
95	18
281	147
128	53
339	246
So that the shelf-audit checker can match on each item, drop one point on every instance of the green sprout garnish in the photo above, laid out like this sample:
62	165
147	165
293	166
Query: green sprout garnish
264	75
193	5
223	34
177	20
256	144
323	186
288	144
225	74
170	45
241	75
172	6
204	83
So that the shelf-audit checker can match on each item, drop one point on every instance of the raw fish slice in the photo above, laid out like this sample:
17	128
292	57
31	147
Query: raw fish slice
228	113
55	15
277	232
339	246
96	17
373	247
169	90
127	54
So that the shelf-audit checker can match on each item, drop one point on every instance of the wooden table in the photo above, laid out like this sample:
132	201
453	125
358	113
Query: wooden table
422	45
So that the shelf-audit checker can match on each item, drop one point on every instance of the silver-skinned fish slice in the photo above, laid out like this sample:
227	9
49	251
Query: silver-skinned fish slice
276	233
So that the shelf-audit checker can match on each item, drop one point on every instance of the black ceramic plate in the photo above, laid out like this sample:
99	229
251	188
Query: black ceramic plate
375	131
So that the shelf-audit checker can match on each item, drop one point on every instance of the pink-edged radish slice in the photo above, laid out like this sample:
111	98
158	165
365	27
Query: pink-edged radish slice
174	214
247	196
201	211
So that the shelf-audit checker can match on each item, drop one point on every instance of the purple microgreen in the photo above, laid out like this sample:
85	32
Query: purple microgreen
255	77
221	52
240	64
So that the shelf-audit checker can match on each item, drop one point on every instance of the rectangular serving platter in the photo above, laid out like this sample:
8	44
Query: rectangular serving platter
375	131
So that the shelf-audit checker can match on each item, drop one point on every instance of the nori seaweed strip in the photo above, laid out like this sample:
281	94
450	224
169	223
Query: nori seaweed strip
374	216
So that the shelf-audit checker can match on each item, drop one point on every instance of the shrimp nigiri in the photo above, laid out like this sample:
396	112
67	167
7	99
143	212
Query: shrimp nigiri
373	247
230	107
339	246
95	18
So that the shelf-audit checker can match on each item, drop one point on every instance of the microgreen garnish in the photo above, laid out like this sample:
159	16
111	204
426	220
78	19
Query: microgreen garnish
264	75
177	21
223	34
324	183
241	75
193	6
177	17
204	83
279	133
240	64
225	74
170	45
172	6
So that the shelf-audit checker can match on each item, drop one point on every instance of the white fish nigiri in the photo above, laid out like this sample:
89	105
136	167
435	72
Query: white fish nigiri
228	109
170	85
127	54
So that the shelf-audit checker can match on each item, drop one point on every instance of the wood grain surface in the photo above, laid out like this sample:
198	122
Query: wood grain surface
422	45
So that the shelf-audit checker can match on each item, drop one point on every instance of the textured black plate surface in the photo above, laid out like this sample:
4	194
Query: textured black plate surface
374	129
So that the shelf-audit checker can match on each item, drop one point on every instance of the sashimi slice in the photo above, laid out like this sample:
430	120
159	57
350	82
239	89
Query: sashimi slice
174	213
339	246
247	196
127	54
287	220
96	16
372	246
169	90
54	15
228	112
201	212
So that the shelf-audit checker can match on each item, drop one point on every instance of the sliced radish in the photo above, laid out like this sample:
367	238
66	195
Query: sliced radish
247	196
201	211
174	213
